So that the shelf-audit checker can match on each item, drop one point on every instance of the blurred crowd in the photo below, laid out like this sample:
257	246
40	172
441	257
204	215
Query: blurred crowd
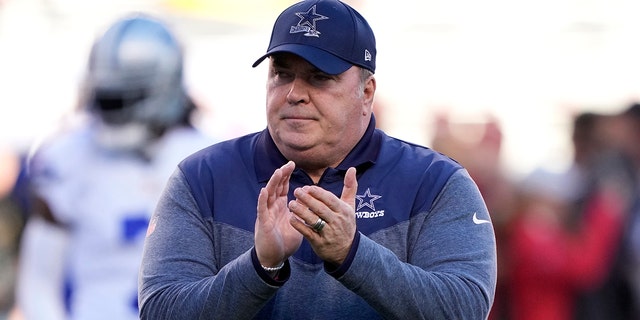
568	241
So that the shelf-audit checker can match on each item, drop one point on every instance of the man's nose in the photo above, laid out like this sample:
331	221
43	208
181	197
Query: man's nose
298	91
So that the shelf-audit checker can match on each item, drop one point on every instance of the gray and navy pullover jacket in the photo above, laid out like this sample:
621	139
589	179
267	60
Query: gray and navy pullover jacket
425	247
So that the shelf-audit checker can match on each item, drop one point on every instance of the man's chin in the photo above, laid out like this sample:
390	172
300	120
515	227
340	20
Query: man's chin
298	141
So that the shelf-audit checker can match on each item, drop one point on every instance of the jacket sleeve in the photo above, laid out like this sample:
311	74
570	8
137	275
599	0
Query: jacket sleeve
450	270
179	276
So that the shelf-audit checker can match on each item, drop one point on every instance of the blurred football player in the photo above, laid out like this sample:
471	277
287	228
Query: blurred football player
97	180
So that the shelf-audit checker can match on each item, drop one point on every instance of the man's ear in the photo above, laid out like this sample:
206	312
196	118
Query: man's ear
369	91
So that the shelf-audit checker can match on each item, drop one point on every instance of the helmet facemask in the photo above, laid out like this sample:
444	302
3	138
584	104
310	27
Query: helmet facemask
134	83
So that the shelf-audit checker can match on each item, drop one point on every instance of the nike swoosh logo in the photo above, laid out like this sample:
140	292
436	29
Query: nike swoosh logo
479	221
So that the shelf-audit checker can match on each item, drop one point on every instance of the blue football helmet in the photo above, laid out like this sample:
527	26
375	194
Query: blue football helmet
134	82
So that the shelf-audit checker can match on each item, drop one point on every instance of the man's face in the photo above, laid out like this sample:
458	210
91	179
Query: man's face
315	118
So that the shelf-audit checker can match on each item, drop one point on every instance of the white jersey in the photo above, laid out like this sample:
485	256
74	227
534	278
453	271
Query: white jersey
105	201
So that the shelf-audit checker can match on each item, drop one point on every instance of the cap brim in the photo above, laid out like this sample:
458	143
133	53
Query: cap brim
325	61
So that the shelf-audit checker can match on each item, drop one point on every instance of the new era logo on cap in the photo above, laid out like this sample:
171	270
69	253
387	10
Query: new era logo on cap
329	34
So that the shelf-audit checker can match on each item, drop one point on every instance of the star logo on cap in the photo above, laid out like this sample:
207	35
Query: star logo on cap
307	22
366	200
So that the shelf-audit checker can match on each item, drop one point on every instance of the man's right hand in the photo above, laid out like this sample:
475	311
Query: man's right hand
275	239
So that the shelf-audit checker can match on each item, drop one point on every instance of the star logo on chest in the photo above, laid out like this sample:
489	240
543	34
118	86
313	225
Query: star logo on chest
366	200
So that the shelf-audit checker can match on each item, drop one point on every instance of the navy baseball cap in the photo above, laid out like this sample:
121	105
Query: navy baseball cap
329	34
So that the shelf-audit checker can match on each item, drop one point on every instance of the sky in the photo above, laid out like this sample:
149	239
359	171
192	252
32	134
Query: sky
529	64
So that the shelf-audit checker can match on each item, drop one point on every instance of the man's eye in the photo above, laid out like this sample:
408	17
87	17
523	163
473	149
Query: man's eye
282	75
321	78
321	75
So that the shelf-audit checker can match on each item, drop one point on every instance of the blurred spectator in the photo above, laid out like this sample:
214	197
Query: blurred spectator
619	296
631	264
478	146
602	163
97	179
12	220
551	262
564	240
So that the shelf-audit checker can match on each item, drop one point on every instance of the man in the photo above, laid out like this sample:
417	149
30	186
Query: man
320	216
98	180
